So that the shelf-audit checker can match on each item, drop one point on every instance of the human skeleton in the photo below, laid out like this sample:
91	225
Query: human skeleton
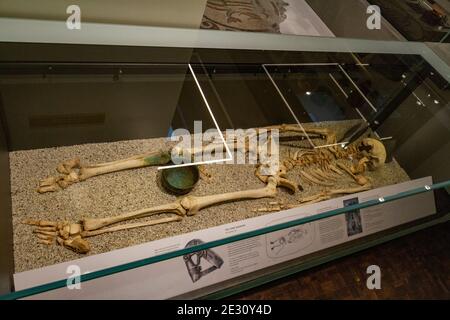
319	166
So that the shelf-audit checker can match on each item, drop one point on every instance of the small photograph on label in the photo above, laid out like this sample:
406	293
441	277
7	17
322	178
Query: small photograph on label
353	218
200	263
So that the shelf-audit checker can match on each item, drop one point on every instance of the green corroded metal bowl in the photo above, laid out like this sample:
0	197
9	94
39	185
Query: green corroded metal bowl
180	180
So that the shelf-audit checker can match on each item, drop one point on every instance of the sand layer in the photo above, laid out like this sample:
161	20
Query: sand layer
116	193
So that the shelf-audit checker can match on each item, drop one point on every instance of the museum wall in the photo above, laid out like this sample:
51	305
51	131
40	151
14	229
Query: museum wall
101	111
168	13
84	106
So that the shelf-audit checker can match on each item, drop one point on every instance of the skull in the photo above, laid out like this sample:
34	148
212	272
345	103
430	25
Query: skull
374	151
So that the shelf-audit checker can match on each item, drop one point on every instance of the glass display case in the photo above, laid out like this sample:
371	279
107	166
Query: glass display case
142	162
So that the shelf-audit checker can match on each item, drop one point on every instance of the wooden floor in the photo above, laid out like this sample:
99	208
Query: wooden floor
416	266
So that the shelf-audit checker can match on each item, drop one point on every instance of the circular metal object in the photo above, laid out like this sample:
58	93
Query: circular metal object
180	180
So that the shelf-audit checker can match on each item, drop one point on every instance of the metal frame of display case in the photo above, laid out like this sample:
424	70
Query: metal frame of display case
39	31
53	32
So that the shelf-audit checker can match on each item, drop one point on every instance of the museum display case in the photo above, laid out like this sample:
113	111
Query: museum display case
142	162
